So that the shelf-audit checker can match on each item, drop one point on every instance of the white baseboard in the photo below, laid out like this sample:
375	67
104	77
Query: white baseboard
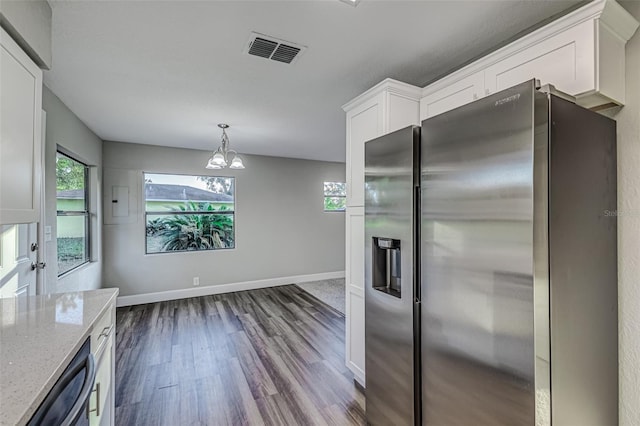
139	299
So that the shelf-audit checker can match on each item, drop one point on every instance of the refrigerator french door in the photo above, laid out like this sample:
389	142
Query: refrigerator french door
519	269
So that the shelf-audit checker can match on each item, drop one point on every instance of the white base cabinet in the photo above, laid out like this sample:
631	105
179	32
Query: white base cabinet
101	407
388	106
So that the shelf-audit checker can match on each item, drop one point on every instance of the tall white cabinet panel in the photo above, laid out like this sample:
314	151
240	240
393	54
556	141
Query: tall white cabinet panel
389	106
20	134
354	269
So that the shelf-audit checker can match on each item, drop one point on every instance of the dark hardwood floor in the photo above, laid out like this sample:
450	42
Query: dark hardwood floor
272	356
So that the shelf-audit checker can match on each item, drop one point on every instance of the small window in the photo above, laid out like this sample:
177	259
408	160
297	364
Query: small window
335	196
73	218
189	213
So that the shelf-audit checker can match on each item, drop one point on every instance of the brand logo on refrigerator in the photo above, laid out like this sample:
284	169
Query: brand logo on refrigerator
507	100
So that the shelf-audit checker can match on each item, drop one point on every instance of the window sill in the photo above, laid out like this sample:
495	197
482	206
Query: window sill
225	250
77	268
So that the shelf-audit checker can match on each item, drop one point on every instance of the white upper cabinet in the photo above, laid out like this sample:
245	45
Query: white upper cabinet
581	54
440	98
386	107
363	124
564	60
20	134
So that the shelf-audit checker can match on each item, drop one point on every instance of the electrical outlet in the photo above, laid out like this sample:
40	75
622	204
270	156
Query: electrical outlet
196	281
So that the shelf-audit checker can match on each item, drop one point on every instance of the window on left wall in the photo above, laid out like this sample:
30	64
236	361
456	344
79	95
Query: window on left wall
73	218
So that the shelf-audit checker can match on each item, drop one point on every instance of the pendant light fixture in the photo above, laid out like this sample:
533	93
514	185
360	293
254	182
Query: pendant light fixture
224	157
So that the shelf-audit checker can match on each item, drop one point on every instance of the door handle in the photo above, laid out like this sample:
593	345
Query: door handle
34	246
97	409
106	331
38	265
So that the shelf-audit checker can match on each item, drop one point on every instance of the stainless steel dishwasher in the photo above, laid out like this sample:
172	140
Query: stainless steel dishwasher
66	403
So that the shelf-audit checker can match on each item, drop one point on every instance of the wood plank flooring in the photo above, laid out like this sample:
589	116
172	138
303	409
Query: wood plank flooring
272	356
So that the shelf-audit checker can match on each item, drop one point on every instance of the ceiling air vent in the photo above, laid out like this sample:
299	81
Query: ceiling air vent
273	48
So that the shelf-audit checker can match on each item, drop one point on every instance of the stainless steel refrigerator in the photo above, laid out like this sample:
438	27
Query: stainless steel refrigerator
491	266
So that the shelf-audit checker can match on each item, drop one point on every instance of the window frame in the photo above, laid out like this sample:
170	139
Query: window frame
178	213
75	213
325	196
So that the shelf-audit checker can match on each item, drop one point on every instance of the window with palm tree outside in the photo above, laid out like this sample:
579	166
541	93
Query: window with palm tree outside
189	213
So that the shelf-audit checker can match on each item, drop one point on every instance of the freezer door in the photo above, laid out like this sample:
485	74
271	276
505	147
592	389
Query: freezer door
389	279
477	262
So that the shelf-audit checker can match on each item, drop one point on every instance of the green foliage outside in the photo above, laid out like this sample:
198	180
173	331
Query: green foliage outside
181	232
335	196
335	203
71	240
69	173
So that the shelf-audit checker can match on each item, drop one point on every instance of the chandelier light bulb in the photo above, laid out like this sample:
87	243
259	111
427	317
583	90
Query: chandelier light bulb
212	165
236	163
218	159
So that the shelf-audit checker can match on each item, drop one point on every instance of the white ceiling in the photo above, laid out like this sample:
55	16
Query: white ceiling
166	72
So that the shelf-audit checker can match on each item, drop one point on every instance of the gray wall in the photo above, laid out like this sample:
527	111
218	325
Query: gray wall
29	23
628	119
281	228
64	129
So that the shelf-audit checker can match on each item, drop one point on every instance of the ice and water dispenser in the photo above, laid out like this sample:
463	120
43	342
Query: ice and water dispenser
386	274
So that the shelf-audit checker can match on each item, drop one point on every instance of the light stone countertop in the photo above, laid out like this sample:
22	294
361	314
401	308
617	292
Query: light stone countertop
39	336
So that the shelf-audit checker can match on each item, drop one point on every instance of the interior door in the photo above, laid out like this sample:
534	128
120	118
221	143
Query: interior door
18	252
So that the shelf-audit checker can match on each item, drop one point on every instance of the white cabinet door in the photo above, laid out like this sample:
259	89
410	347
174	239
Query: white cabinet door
566	60
355	291
20	134
355	247
100	403
101	409
452	96
363	124
355	329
